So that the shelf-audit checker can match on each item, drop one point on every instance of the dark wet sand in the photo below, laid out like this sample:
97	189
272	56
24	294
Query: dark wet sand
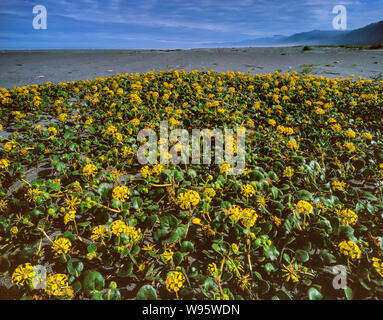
37	67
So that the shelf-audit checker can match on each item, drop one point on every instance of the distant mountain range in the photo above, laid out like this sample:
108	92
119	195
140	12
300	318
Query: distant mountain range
371	34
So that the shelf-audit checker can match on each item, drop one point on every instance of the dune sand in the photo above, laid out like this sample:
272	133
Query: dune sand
37	67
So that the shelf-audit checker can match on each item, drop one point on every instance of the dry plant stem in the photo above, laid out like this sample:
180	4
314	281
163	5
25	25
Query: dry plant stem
219	277
105	207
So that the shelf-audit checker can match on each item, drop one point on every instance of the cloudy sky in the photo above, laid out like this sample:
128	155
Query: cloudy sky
127	24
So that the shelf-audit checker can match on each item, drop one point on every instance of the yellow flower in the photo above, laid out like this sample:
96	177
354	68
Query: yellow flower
304	207
234	213
135	122
167	255
248	217
319	111
288	172
367	135
32	194
117	227
145	171
350	248
157	169
121	193
23	274
272	122
57	285
292	271
209	194
212	269
378	265
90	170
99	232
234	248
350	146
225	167
4	163
63	117
69	216
338	185
188	199
111	130
174	122
174	281
348	216
292	145
350	133
247	191
336	127
8	146
61	246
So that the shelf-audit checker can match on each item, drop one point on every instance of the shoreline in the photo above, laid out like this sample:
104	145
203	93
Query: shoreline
27	67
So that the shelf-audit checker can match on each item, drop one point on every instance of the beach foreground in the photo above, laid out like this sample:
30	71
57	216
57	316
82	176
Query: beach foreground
37	67
84	215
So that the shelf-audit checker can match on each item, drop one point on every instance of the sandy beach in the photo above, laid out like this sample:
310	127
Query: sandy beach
37	67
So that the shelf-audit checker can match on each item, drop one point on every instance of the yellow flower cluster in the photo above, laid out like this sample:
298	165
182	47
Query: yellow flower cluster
121	193
350	248
247	191
378	265
188	199
69	216
99	232
57	285
338	185
118	227
292	145
246	216
90	170
156	170
304	207
168	254
292	272
348	216
209	194
23	275
4	163
61	246
367	135
225	168
350	133
212	269
350	146
285	130
174	281
288	172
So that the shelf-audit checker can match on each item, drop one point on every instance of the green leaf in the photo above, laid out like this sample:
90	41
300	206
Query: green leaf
269	268
369	196
304	195
173	238
177	258
146	292
314	294
93	280
348	293
75	266
61	166
192	173
137	203
104	189
271	252
302	255
187	246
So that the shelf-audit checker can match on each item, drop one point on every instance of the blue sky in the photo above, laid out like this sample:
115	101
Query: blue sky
119	24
